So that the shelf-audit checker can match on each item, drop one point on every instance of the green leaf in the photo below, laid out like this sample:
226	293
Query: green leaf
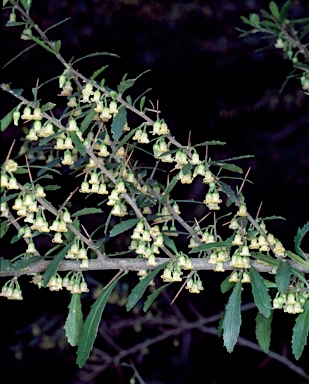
142	102
151	298
226	285
26	4
74	322
48	107
140	288
298	259
20	53
301	232
42	44
87	120
86	211
24	262
263	330
77	143
228	191
254	19
260	293
170	243
139	97
300	332
169	188
8	197
123	226
56	25
4	227
118	123
213	142
274	218
94	55
7	119
284	10
91	324
52	187
283	276
98	72
274	10
232	318
217	244
58	46
126	84
265	258
54	264
4	265
229	167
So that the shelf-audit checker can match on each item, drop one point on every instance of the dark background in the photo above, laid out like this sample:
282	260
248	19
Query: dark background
210	82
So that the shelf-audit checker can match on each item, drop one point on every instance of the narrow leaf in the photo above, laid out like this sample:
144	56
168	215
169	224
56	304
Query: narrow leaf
43	45
4	227
26	4
118	123
263	330
98	72
94	55
140	288
229	167
274	10
213	142
170	243
142	102
218	244
7	119
47	107
8	197
153	296
58	46
86	211
226	285
169	188
77	143
128	83
228	191
283	276
74	322
4	265
232	318
300	332
19	54
87	120
301	232
91	325
260	293
123	226
298	259
54	264
284	10
24	262
265	258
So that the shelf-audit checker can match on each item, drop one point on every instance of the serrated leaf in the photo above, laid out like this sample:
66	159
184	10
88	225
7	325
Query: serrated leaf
86	211
229	167
213	142
74	322
77	143
7	119
4	265
94	55
263	330
228	191
274	10
48	107
54	264
151	298
42	44
301	232
232	318
274	218
260	293
87	120
284	10
168	189
298	259
217	244
98	72
26	4
283	276
24	262
265	258
118	123
91	325
4	227
226	285
127	83
140	288
123	226
300	332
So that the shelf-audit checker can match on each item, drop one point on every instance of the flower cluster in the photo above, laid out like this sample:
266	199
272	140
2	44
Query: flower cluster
194	284
11	290
293	301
